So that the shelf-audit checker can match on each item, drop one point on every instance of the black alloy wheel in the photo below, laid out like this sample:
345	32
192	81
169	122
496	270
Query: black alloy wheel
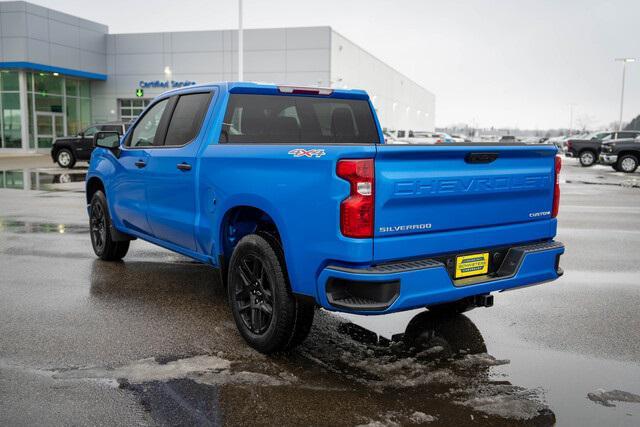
98	224
104	246
254	294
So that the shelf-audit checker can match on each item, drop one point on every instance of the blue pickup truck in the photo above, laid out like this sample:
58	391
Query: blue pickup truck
292	194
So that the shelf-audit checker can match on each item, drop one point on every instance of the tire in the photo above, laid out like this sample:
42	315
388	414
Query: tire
453	333
65	158
100	229
268	315
587	158
627	163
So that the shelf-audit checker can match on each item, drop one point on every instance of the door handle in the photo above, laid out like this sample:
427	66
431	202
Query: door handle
184	166
140	164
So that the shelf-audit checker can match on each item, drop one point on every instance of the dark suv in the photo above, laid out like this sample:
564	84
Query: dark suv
588	149
622	154
66	151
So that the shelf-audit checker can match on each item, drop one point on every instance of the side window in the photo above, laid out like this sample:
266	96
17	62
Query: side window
89	132
144	133
626	135
187	118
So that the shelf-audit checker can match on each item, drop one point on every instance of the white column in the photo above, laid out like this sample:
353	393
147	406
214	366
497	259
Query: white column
24	110
240	44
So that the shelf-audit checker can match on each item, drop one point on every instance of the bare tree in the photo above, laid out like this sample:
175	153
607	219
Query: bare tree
585	121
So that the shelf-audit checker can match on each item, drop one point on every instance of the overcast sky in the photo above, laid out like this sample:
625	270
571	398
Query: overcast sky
492	63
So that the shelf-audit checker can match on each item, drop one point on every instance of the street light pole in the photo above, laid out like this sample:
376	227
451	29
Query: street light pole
240	43
624	72
571	119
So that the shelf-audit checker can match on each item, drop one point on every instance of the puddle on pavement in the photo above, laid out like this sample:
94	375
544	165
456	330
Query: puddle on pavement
46	179
26	227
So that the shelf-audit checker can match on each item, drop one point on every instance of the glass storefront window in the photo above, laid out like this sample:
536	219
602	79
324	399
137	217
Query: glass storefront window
85	89
85	112
72	87
130	109
11	125
46	83
48	103
73	117
9	81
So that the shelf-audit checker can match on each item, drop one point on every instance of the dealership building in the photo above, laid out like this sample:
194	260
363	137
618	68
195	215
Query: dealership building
59	73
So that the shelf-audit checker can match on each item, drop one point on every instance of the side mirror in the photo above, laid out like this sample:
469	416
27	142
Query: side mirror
109	140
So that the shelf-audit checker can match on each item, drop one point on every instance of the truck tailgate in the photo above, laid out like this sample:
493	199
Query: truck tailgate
434	199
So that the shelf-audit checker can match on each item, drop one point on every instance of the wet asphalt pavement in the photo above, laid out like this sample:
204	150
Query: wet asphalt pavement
150	341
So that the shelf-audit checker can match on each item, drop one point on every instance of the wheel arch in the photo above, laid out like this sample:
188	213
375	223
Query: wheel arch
633	153
94	184
241	220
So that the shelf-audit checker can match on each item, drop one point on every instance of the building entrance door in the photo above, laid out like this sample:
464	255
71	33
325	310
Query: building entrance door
49	126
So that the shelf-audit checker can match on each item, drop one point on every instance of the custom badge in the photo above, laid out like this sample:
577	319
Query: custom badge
301	152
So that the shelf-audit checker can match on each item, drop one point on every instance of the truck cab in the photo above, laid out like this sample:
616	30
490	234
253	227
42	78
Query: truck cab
293	196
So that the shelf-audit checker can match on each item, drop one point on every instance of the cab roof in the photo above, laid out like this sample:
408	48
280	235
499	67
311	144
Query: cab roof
273	89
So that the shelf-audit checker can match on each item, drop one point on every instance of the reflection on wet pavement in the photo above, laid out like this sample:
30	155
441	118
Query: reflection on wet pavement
49	179
29	227
106	339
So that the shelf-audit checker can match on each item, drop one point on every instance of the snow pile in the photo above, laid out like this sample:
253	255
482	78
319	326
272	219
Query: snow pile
604	398
203	369
396	419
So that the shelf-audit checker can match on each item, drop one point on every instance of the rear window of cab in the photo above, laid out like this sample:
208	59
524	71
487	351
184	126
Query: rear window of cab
259	119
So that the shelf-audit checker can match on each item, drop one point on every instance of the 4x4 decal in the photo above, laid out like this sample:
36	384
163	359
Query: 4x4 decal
301	152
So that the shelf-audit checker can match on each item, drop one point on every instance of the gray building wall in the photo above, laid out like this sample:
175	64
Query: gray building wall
36	34
278	55
400	102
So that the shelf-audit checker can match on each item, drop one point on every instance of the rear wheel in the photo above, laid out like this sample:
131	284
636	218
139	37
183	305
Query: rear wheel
100	228
268	315
587	158
65	158
627	163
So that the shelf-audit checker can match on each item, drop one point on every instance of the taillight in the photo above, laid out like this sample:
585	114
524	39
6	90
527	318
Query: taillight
438	141
556	189
569	144
356	211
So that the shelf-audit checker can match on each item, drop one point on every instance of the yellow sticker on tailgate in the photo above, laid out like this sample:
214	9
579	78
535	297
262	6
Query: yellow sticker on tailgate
472	265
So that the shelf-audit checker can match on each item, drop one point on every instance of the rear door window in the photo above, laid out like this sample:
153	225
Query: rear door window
297	120
187	118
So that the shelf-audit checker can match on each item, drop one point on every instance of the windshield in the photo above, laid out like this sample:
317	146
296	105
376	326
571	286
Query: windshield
597	135
298	120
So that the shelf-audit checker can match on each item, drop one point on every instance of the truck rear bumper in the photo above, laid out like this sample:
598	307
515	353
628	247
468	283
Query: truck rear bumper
406	285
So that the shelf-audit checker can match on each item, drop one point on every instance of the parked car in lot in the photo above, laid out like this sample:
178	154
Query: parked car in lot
588	149
66	151
506	139
460	138
293	195
622	154
420	137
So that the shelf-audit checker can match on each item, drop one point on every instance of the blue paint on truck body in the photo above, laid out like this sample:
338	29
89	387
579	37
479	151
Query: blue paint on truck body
430	203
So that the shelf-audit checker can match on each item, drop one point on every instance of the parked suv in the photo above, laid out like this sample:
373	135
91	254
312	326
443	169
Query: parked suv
66	151
293	195
588	149
622	154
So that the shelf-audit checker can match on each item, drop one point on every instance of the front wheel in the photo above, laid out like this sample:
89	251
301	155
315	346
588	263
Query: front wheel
65	158
587	158
268	315
627	163
100	228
